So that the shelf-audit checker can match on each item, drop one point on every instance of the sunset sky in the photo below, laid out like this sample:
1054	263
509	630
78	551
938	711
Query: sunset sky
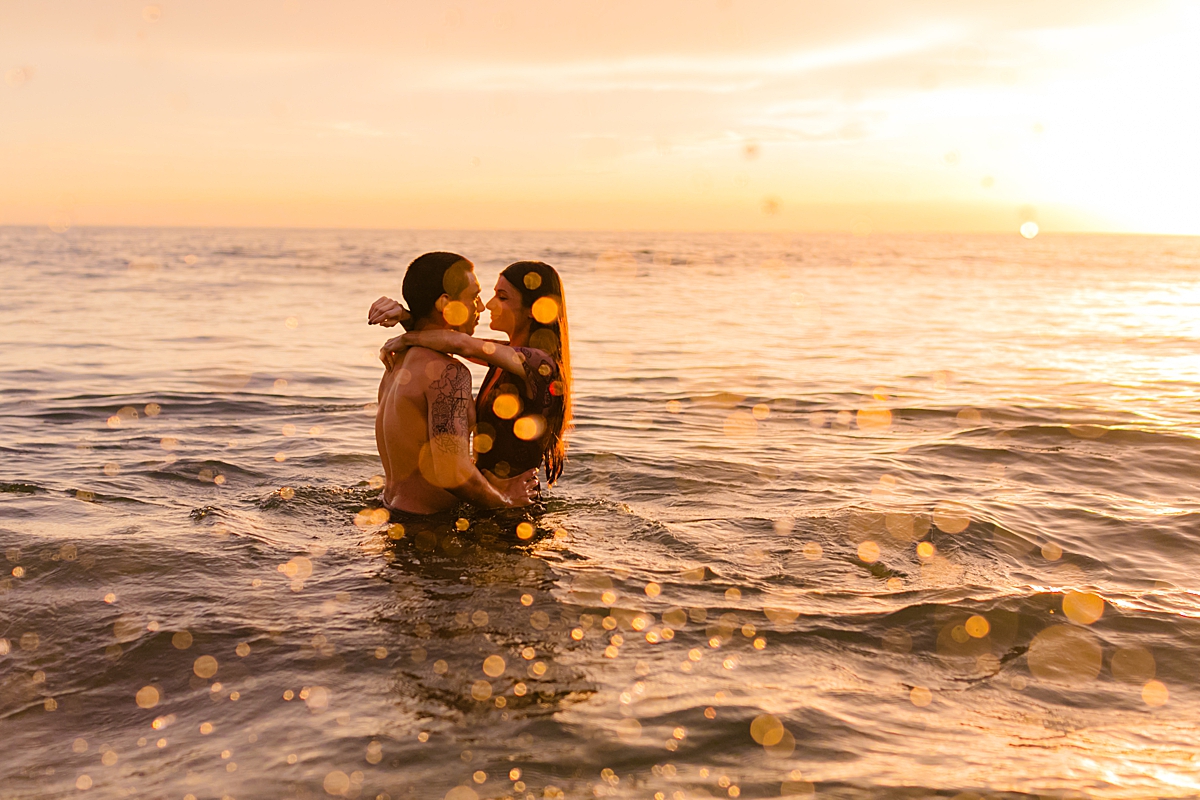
898	115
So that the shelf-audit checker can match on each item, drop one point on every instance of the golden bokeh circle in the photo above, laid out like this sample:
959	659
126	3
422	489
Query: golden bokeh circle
868	552
506	406
205	667
629	730
1133	665
977	627
529	427
781	748
337	783
873	419
950	517
127	628
1065	654
778	614
968	416
317	699
905	527
897	640
1083	608
147	697
740	425
545	310
455	313
764	727
1155	694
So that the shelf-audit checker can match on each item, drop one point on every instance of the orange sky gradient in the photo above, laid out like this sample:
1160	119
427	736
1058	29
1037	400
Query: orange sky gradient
922	115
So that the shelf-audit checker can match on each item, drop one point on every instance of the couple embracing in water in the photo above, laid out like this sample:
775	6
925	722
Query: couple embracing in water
439	446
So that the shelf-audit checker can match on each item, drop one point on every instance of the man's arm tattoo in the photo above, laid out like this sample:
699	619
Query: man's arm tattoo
448	410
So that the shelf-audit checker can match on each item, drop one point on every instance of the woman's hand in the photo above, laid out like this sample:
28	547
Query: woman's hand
520	490
392	352
386	312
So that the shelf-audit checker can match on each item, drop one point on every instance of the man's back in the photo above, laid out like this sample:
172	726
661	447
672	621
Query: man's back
402	428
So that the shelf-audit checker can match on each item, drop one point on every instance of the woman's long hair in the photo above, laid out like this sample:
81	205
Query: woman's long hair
535	280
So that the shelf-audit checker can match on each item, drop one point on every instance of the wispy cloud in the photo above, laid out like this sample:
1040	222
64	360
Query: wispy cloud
691	73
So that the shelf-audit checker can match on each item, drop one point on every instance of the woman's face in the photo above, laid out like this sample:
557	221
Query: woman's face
507	312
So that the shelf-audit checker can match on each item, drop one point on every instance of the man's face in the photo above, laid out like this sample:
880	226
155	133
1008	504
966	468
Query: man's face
469	298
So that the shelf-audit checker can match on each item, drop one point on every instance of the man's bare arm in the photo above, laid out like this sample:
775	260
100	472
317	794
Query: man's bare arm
449	398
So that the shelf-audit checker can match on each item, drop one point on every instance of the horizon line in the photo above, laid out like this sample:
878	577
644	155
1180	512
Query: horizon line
793	232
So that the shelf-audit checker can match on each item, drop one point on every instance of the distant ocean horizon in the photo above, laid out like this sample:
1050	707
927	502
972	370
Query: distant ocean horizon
1014	230
900	515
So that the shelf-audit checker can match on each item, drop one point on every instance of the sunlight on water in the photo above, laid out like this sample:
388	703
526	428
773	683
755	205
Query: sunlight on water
934	500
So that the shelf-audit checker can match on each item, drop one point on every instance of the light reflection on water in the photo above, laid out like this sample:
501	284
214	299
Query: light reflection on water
842	515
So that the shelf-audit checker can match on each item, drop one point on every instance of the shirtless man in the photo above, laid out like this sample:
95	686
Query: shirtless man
426	411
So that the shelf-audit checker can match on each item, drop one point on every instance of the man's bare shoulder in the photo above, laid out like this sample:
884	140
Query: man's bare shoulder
446	376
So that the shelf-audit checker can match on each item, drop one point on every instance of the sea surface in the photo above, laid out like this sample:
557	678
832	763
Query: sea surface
845	517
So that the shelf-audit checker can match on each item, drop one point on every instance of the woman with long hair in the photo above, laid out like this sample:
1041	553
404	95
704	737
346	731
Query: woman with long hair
523	409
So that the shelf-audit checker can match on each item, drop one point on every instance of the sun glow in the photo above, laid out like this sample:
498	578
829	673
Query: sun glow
781	116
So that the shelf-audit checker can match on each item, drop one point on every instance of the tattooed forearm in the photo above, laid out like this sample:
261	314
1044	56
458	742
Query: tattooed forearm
448	409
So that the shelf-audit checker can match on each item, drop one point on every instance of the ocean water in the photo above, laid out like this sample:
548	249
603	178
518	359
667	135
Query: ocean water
851	517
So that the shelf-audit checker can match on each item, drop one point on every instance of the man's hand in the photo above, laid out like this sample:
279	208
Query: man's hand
518	491
386	312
